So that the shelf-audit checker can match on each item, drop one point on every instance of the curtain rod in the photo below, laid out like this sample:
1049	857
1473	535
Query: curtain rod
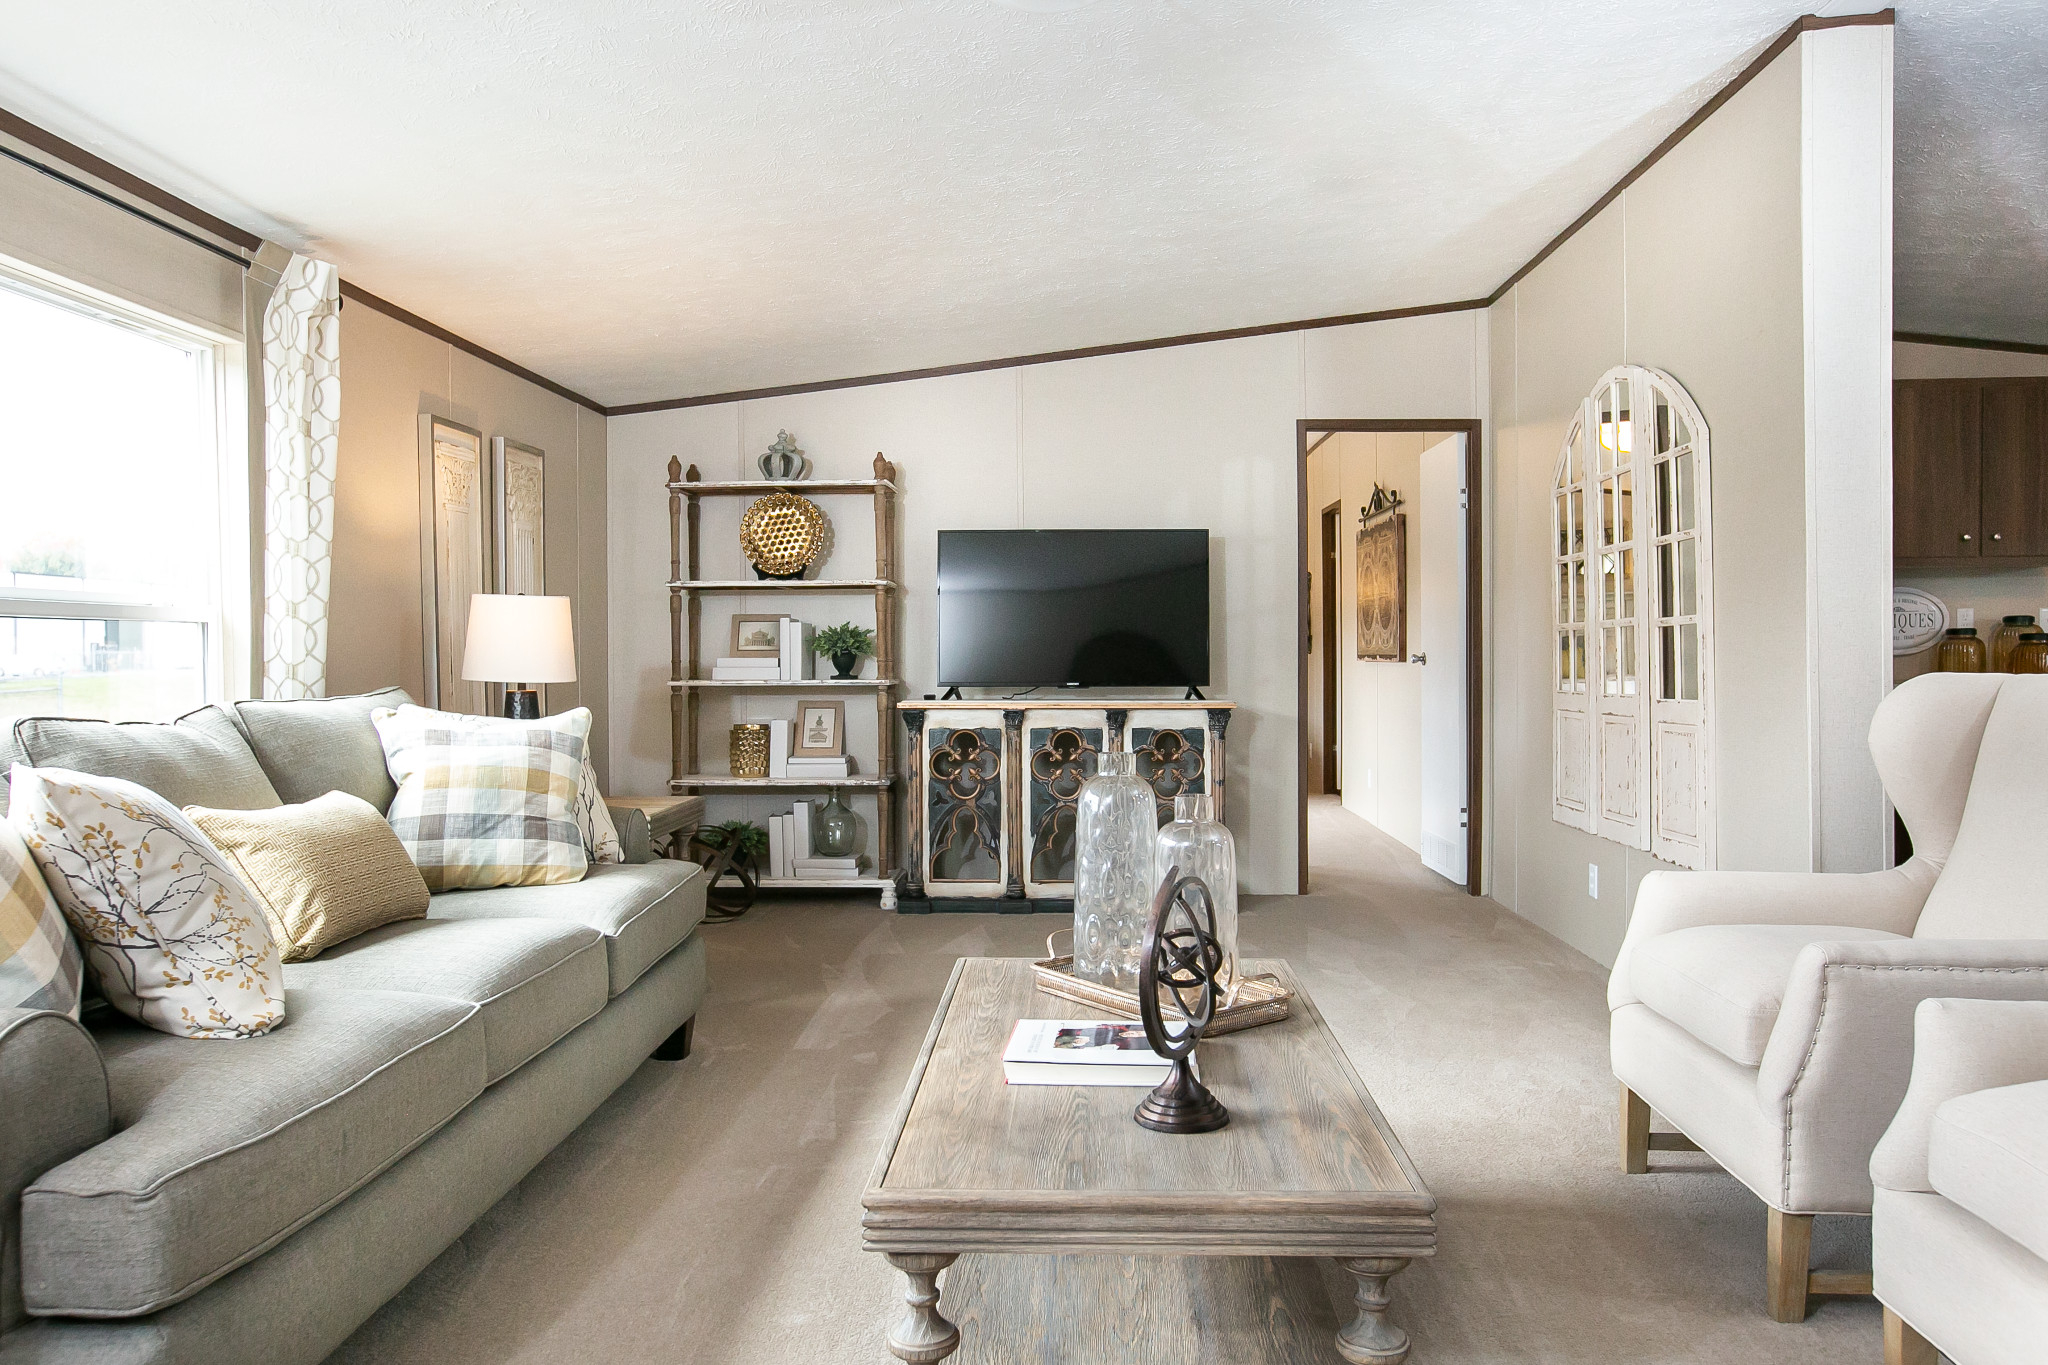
96	192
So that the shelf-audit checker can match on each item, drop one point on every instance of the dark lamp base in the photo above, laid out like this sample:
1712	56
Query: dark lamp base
522	703
1182	1104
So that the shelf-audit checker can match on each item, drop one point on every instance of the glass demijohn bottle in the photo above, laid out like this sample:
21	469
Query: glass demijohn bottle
1115	819
1196	844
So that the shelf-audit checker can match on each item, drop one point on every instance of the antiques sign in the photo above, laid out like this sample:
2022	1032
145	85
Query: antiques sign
1918	619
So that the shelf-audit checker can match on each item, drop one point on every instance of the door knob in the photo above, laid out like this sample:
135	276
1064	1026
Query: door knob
1418	658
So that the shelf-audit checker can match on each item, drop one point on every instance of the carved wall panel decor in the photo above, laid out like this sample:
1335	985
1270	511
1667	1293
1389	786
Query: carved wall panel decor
1061	759
1171	762
1383	588
964	804
455	557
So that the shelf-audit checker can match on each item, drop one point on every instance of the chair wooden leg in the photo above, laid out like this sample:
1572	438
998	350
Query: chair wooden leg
1788	1241
676	1046
1635	1133
1903	1345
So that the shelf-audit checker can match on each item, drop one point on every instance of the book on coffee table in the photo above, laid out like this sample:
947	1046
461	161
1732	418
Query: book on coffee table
1081	1052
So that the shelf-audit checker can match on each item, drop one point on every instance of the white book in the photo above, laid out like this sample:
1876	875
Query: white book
778	748
720	674
1081	1052
826	867
806	652
800	842
782	659
819	767
778	845
823	874
744	661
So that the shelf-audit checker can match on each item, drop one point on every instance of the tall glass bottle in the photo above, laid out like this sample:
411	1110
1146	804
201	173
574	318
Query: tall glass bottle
1196	844
2007	636
1115	819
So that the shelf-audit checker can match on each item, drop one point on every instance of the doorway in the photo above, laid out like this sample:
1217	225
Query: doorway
1389	667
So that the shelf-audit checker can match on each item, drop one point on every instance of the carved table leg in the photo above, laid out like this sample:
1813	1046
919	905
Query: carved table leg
1371	1339
923	1337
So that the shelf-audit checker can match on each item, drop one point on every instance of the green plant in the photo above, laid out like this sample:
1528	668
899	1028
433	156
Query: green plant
751	839
51	559
845	638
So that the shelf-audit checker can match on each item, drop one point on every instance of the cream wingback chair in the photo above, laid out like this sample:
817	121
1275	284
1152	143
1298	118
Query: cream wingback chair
1769	1016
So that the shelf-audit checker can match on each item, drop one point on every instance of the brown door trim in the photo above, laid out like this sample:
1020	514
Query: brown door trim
1475	644
1332	516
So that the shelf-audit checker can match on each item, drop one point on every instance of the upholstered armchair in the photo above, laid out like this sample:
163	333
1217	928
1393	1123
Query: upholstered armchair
1769	1016
1959	1221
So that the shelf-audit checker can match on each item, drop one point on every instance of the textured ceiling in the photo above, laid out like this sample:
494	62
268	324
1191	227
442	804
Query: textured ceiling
1970	230
647	201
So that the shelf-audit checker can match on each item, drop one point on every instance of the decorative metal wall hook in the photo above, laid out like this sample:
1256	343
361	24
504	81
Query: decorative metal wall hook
1180	962
1382	501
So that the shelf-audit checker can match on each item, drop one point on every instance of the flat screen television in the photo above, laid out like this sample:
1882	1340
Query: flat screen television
1074	608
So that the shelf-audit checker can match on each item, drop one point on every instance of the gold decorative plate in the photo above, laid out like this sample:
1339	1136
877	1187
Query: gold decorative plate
783	533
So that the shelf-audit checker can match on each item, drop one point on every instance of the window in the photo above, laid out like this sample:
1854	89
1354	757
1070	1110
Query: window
1632	606
112	553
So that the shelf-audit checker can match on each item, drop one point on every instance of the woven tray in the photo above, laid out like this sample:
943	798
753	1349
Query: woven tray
1261	999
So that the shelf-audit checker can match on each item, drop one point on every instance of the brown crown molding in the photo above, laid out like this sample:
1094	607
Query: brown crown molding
1806	23
43	140
1971	343
1047	357
355	293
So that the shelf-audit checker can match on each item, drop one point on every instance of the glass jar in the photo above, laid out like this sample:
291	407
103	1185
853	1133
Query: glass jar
1115	819
835	830
1196	844
2030	653
1961	652
2008	636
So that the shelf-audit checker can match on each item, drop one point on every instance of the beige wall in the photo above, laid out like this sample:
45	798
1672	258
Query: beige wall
1695	270
391	373
1990	591
1198	435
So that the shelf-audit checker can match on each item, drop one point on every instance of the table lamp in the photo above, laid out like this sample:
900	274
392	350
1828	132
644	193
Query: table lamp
519	640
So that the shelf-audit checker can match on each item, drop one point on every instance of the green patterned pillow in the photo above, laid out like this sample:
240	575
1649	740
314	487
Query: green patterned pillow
173	937
40	968
484	802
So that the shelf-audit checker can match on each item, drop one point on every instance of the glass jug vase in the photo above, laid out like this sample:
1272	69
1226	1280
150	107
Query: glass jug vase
1115	819
1196	844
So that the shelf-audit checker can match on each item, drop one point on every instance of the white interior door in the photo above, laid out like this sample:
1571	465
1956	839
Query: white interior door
1440	637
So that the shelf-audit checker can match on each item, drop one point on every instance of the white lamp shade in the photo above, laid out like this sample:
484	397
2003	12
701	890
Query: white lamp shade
519	639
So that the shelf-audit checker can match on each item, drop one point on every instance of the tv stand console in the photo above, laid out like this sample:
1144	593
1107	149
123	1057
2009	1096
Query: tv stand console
993	784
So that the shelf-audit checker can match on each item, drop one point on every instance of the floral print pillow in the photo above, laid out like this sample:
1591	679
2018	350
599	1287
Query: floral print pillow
172	935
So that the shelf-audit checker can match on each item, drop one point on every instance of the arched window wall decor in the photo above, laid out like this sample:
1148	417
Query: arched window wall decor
1632	603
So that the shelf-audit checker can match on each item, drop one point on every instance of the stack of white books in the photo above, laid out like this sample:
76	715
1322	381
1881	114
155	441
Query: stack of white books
782	763
789	849
798	661
816	768
1081	1052
826	869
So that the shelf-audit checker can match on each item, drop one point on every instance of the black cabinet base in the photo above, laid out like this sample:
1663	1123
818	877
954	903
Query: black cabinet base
676	1046
907	904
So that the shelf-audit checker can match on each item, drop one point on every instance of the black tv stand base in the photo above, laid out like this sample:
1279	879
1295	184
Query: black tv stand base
950	694
1194	694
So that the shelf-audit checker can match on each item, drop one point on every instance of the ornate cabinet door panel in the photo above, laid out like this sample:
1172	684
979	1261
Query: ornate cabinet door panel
966	835
1060	748
1173	749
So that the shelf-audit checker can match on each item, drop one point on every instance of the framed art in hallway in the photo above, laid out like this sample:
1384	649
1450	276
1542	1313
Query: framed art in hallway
455	556
1382	550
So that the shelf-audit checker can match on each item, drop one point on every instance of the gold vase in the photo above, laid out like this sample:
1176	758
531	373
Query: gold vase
749	751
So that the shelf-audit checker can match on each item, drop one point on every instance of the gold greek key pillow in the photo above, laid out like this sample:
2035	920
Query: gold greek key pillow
322	872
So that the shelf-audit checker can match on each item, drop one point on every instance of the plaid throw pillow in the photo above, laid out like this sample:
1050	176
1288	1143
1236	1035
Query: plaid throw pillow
40	968
486	804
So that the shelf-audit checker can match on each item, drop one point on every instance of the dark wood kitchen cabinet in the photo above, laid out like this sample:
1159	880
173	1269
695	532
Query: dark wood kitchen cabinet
1970	469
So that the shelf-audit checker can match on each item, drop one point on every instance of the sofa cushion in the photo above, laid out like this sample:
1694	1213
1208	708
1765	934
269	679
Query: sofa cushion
534	980
1725	983
198	759
1988	1153
1986	889
642	909
221	1149
322	744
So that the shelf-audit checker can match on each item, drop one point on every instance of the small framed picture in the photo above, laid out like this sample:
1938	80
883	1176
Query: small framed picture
757	637
820	729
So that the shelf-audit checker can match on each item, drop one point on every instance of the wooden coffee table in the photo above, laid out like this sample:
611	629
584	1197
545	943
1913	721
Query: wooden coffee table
1307	1167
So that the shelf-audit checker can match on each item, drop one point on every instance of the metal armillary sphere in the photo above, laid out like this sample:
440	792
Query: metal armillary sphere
1179	962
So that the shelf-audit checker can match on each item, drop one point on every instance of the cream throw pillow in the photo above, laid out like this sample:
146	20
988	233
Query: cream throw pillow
322	872
40	966
486	802
173	937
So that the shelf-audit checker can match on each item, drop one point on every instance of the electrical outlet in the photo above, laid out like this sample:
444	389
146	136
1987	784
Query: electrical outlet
1965	617
1593	880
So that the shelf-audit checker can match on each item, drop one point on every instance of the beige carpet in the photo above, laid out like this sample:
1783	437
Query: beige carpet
709	1212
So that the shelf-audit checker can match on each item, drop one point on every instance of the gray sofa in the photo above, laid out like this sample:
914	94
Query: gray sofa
171	1200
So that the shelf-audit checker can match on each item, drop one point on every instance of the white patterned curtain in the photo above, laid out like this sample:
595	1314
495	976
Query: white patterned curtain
301	430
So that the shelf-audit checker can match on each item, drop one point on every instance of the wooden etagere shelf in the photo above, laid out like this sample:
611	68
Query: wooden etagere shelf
687	589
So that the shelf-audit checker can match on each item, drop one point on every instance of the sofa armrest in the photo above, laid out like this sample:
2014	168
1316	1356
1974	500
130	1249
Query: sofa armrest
1669	901
1841	1052
1959	1048
631	822
53	1105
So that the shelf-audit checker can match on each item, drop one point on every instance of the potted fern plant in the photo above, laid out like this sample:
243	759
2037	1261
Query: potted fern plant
845	645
